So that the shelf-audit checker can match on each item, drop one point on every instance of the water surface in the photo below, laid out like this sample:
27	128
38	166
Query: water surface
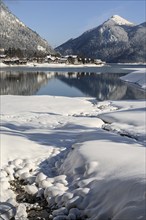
102	82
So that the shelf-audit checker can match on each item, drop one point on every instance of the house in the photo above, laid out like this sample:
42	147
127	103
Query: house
63	60
23	61
72	59
14	61
11	61
98	61
50	59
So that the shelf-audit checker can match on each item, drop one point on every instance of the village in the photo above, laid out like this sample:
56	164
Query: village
49	58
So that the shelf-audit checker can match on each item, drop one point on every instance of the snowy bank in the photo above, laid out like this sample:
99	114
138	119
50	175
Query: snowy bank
60	149
52	65
128	120
112	169
137	77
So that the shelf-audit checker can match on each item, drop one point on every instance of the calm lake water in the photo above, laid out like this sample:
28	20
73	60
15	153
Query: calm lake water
101	82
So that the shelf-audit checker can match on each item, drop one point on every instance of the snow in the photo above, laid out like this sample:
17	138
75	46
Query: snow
129	119
87	157
137	77
118	178
52	65
39	47
21	145
3	13
21	23
3	65
120	21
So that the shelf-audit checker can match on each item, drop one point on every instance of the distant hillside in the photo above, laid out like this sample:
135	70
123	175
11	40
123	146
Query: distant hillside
15	34
116	40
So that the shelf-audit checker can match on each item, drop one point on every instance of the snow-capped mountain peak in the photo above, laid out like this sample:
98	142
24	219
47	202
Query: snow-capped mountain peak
120	21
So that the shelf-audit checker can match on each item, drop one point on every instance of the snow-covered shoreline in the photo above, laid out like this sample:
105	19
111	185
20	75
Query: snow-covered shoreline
50	65
137	77
85	159
58	65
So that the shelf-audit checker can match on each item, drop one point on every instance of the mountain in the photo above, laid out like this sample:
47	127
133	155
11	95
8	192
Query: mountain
15	34
116	40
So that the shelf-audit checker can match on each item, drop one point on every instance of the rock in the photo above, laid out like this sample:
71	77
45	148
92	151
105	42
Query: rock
74	202
40	177
17	162
21	212
31	189
44	184
52	191
72	217
81	191
24	176
66	196
61	211
76	212
61	217
9	170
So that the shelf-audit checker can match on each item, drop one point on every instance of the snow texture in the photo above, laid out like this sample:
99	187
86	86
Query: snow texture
87	157
137	77
120	21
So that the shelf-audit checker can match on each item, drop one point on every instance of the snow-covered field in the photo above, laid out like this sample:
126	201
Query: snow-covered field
85	159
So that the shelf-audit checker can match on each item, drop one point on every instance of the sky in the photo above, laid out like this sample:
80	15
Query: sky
57	21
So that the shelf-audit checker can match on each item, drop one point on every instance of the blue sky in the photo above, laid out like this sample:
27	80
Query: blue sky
57	21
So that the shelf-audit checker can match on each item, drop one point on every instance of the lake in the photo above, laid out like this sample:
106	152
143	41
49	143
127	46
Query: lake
102	83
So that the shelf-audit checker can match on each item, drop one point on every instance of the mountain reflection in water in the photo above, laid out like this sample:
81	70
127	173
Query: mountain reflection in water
21	83
103	86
